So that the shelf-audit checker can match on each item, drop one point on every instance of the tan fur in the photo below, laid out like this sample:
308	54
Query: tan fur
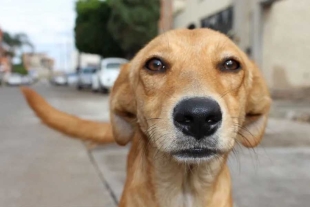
68	124
141	107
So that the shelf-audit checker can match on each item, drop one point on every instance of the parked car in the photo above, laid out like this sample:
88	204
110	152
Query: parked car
85	77
59	80
72	78
26	80
104	78
14	79
33	74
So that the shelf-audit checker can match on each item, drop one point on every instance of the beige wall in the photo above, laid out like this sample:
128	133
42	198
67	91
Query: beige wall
277	33
286	44
38	62
195	10
86	60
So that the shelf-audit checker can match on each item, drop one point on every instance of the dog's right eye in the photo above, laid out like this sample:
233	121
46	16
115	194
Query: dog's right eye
155	64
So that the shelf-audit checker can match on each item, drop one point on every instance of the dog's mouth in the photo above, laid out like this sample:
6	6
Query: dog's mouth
195	153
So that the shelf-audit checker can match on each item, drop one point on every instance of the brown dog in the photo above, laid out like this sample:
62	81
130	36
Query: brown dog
183	102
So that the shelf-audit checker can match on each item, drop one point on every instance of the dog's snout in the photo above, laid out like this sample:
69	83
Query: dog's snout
197	117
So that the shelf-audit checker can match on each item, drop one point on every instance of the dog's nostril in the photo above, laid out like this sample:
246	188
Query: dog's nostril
183	119
197	117
213	120
188	119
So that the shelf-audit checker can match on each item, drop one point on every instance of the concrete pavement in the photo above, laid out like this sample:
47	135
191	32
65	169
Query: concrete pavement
41	167
292	109
278	172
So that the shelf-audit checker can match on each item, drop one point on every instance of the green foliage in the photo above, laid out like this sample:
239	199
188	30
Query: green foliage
19	68
134	23
91	33
115	27
86	5
16	42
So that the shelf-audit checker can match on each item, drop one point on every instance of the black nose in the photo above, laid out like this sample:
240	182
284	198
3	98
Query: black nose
197	117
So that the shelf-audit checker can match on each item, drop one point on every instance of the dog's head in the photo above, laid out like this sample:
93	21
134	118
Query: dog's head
193	93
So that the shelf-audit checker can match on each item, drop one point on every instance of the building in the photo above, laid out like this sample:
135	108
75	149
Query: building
84	60
275	33
38	63
5	57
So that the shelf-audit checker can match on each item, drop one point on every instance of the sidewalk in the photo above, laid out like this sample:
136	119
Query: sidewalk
291	104
277	172
49	170
40	167
291	110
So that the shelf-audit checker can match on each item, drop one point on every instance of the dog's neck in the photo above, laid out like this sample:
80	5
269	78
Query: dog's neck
167	182
186	185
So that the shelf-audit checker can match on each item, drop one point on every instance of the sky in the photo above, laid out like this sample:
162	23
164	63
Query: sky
48	23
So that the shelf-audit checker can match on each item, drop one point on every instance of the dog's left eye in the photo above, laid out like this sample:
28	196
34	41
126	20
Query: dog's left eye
155	64
230	64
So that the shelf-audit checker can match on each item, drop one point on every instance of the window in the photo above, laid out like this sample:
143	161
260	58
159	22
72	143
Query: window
221	21
88	70
113	66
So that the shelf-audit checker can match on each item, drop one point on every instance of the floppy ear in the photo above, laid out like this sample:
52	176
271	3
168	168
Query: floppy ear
257	109
122	108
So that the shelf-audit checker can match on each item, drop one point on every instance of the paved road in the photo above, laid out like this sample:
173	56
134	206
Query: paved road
43	168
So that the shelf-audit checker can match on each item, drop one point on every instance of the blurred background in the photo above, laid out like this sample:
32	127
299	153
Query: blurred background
71	52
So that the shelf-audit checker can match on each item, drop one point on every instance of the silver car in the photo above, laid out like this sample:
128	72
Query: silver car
85	77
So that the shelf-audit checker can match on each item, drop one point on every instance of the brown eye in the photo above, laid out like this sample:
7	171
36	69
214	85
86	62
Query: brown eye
230	64
155	64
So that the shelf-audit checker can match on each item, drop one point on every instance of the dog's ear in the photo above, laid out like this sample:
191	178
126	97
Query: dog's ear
257	109
123	108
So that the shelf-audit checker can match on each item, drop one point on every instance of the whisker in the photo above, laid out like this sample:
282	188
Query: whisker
154	118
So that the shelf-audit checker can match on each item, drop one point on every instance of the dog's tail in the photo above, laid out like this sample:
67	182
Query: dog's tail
73	126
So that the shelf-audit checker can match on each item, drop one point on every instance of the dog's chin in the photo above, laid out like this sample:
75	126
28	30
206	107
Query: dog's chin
196	155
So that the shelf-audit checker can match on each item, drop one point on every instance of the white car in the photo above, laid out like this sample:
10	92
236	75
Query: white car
103	80
72	78
14	80
59	80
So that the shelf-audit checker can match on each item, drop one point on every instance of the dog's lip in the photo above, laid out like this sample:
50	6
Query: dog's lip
196	153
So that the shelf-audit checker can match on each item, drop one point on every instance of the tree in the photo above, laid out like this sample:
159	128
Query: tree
91	33
133	23
17	42
19	68
115	27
